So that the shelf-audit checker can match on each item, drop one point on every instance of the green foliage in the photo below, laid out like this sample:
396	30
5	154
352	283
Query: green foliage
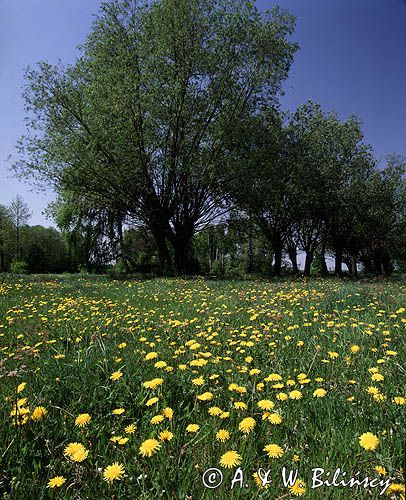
19	267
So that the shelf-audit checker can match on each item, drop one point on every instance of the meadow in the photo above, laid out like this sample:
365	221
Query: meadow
133	389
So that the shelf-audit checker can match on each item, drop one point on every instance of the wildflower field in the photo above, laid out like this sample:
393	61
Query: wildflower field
132	390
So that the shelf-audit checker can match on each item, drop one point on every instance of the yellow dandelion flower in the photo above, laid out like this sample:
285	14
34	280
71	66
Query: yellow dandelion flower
56	482
192	428
167	413
157	419
116	375
295	394
151	355
165	435
130	429
113	472
319	393
240	405
266	404
399	400
198	381
206	396
299	488
247	425
118	411
21	387
214	411
369	441
151	401
222	435
396	489
230	459
38	413
154	383
380	470
274	418
274	450
282	396
149	447
82	420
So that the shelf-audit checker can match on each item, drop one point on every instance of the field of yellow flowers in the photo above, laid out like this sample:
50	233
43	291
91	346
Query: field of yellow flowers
192	389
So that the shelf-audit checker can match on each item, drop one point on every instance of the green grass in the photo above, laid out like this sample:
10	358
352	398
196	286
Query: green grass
63	337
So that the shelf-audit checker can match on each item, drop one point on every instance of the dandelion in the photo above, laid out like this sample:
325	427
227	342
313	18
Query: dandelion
130	429
165	435
56	482
76	452
266	404
230	459
192	428
157	419
380	470
299	488
295	395
167	413
116	375
369	441
396	489
151	401
38	413
240	405
198	381
118	411
113	472
151	355
274	418
222	435
319	393
274	450
206	396
154	383
82	420
247	425
149	447
215	411
21	387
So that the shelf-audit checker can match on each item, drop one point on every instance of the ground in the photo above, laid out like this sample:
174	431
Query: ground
133	389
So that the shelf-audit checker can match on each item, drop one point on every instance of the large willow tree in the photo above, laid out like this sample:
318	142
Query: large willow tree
137	124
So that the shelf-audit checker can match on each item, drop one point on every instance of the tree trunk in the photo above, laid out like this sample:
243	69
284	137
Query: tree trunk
250	252
323	265
184	261
277	248
338	265
308	262
164	255
293	259
122	252
354	270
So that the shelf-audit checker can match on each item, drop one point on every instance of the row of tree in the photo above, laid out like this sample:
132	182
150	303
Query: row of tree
29	248
169	122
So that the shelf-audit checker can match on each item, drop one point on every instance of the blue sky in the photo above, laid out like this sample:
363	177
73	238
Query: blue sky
352	59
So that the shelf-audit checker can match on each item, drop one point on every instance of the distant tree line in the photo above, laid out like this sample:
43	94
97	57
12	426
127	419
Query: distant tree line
169	152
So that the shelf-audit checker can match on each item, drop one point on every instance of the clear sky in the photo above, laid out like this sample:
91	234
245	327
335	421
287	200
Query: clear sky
352	59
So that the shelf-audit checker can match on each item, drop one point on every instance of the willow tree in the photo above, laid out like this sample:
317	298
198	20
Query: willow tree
138	122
